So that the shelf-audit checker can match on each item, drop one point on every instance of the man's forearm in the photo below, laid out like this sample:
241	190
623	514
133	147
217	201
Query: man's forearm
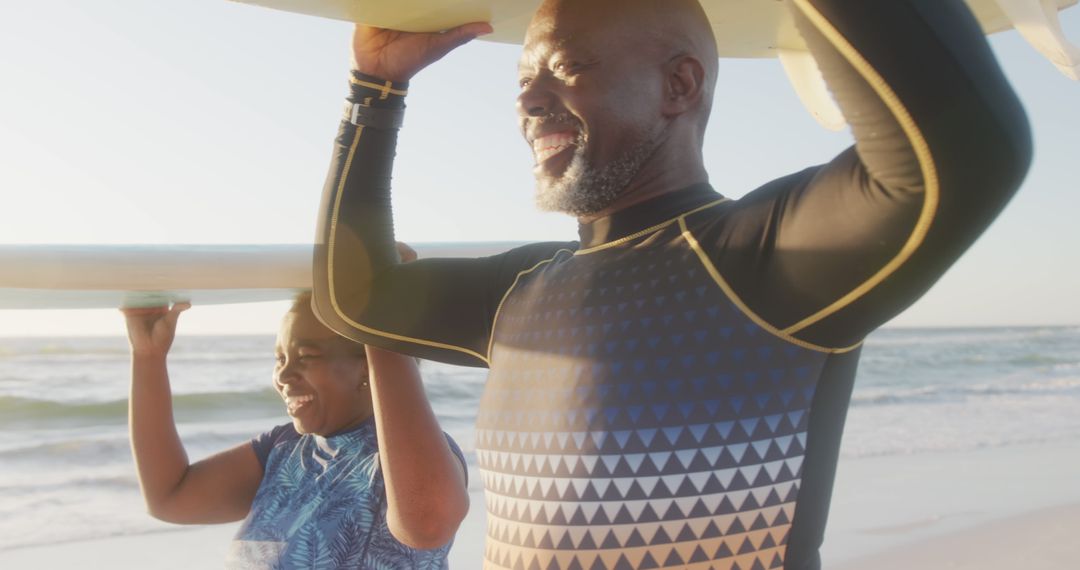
355	237
438	309
356	229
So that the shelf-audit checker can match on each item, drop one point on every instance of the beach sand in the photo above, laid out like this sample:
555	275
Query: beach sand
193	548
185	549
1042	540
995	509
901	503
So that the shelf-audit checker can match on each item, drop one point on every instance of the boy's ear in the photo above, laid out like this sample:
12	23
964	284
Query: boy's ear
365	382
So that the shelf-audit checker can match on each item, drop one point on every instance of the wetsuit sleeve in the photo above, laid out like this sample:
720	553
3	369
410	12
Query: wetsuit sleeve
439	309
828	254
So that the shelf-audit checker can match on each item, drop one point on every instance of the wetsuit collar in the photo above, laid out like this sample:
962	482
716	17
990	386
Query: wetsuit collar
645	214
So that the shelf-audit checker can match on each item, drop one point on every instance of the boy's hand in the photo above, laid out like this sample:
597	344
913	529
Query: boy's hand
405	252
151	330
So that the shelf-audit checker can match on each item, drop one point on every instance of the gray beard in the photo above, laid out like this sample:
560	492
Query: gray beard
585	189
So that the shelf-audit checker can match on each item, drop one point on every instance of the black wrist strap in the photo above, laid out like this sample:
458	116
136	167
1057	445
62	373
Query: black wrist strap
375	117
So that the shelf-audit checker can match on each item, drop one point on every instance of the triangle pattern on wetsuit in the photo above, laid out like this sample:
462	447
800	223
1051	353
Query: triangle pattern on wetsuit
634	417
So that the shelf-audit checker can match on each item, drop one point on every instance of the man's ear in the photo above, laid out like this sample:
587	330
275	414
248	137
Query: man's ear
684	85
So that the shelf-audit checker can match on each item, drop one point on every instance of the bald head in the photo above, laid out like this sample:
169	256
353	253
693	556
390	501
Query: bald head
663	29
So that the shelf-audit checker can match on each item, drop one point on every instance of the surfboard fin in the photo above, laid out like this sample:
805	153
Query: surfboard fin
805	77
1037	21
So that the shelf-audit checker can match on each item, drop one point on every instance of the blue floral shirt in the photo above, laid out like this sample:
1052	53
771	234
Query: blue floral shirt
322	504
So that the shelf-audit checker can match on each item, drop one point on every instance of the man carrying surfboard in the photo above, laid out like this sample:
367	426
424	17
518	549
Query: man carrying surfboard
670	390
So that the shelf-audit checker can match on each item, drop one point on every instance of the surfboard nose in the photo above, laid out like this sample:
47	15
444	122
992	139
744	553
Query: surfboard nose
805	77
1038	23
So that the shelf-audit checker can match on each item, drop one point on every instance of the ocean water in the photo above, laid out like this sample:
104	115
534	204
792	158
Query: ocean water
66	471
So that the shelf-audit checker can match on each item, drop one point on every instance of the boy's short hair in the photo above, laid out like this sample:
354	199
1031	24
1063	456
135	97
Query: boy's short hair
302	303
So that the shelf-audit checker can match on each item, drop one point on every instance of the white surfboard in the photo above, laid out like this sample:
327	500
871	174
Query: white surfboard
744	29
111	276
70	277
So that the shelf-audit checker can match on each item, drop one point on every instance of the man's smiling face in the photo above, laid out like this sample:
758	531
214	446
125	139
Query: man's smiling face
587	105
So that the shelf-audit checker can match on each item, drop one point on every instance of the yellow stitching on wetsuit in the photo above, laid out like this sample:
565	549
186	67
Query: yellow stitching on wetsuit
385	90
730	293
919	145
330	268
650	229
522	273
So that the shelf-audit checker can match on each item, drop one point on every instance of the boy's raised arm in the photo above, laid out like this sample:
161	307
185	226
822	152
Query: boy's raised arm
217	489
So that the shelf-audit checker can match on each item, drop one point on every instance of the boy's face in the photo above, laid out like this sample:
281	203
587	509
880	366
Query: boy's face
321	376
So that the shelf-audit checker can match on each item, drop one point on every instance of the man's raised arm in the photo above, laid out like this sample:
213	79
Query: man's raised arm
941	145
440	309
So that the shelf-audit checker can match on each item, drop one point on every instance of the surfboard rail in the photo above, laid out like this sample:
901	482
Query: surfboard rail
110	276
37	276
743	28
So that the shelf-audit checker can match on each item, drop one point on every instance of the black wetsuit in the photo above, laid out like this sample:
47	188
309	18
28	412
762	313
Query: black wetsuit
671	391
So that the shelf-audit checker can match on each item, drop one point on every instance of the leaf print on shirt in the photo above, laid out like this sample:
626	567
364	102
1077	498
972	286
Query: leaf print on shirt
310	549
324	503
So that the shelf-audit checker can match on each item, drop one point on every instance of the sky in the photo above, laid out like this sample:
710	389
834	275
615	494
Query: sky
206	121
